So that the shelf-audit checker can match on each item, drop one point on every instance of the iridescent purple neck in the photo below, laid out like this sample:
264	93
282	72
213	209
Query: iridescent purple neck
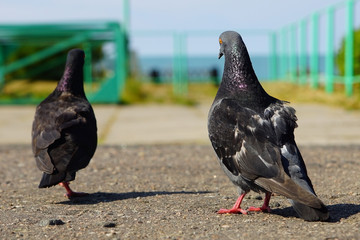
64	82
239	73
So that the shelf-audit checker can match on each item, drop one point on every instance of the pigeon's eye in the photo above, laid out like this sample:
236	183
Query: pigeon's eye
220	41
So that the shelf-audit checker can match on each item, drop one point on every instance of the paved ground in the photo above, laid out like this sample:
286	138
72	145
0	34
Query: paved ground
170	191
149	124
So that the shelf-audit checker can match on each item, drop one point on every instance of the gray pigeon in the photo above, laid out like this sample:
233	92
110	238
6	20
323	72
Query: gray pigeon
64	132
252	134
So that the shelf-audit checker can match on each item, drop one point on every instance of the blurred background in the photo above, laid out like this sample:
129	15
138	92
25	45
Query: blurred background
166	51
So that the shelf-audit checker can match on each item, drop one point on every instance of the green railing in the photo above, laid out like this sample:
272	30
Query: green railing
288	50
56	38
295	65
180	76
294	51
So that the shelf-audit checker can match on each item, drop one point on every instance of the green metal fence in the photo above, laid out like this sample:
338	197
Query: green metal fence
296	64
294	50
180	76
289	57
56	38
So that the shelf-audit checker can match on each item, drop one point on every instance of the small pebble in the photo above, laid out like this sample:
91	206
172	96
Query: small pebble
109	225
51	222
275	204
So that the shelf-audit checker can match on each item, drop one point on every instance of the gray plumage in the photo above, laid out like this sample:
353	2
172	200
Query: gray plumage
252	134
64	132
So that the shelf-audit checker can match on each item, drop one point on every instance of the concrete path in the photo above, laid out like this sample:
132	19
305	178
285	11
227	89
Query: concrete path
149	124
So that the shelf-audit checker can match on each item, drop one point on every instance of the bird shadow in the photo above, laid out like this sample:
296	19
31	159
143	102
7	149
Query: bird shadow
99	197
336	211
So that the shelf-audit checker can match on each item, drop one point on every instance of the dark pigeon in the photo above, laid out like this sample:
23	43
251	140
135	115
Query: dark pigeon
252	134
64	132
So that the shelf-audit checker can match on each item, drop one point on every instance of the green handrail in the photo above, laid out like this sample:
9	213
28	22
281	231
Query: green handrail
45	53
310	37
59	37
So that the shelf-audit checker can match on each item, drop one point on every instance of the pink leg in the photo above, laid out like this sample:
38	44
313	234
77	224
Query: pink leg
265	207
236	208
70	193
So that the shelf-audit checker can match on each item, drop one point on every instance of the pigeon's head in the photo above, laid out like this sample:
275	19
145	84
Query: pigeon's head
229	40
72	79
76	57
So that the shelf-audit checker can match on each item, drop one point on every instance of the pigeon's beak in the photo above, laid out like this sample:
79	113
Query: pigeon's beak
220	55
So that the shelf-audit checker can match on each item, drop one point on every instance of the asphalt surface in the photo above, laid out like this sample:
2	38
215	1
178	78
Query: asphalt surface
170	191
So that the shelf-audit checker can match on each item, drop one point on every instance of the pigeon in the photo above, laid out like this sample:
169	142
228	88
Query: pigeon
252	134
64	131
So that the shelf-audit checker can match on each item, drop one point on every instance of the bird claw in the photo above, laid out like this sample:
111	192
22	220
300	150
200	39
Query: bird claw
70	193
259	209
75	194
233	210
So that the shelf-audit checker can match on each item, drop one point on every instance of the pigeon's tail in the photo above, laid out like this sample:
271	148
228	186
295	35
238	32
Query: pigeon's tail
305	202
49	180
306	211
310	214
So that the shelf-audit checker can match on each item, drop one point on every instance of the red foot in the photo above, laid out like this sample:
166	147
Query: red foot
70	193
259	209
75	194
232	210
265	207
236	208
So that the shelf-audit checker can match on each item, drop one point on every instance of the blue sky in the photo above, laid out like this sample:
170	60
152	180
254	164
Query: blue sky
184	15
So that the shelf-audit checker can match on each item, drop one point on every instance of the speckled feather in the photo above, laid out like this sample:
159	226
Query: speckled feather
252	134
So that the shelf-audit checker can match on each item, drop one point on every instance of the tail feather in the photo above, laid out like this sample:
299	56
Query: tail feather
306	204
288	188
49	180
310	214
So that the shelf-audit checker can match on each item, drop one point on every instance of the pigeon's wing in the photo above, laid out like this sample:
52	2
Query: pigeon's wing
292	181
247	144
44	133
283	121
79	139
243	140
54	143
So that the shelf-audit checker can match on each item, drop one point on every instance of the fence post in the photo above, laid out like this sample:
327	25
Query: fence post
2	74
184	68
303	53
315	51
126	15
292	59
121	65
176	73
87	66
125	30
284	53
179	64
329	64
349	48
273	58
